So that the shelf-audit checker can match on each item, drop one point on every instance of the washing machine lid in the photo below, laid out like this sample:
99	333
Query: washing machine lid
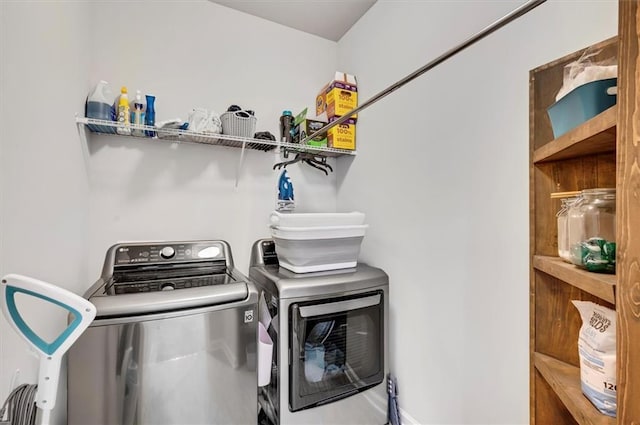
288	284
134	304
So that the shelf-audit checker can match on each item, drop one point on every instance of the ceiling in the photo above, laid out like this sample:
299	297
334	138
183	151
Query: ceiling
329	19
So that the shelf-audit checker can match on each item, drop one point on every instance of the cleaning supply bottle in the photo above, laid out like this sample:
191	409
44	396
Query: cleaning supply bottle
150	115
285	193
123	113
286	125
138	107
99	105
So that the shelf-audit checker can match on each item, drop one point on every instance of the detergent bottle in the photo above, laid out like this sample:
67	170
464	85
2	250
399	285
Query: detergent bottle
99	105
123	113
150	115
138	107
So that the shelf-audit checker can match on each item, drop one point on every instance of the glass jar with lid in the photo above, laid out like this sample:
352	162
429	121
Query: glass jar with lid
563	228
592	230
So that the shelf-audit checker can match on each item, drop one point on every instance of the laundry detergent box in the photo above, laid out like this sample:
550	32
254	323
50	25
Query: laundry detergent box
342	136
303	127
338	97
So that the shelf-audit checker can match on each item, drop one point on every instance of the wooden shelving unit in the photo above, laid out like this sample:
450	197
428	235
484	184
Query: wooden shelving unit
599	285
565	381
598	135
602	152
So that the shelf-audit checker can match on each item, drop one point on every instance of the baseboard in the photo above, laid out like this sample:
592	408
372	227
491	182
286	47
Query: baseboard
377	401
407	419
381	403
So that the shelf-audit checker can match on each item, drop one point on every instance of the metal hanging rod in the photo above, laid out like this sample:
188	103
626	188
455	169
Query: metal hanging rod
525	8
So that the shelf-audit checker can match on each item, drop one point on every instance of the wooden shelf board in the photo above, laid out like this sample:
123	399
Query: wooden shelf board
600	285
565	381
598	135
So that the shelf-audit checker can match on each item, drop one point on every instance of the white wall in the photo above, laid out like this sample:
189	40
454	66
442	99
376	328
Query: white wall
441	169
65	199
199	54
43	189
442	173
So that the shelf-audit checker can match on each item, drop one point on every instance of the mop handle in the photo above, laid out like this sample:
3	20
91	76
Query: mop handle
44	417
48	381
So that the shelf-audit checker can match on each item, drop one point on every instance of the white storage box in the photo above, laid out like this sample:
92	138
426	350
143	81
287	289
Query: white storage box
312	249
316	219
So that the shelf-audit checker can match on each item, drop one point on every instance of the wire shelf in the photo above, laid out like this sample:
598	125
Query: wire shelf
188	136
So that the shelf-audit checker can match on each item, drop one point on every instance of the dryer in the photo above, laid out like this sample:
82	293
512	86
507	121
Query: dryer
330	356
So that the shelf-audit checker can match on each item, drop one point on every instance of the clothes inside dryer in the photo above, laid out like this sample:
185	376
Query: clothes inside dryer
337	348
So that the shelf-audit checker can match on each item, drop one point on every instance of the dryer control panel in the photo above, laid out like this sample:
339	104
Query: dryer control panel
269	255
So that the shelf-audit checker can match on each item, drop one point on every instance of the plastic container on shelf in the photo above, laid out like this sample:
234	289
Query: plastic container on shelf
238	123
581	104
312	249
150	115
563	228
99	105
286	125
124	127
138	108
592	230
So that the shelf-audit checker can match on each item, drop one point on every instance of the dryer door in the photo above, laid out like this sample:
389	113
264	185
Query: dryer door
337	348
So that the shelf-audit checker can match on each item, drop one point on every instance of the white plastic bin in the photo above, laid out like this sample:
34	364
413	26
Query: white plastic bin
316	219
312	249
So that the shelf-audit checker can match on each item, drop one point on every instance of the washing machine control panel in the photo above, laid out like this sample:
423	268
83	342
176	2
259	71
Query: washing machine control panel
163	253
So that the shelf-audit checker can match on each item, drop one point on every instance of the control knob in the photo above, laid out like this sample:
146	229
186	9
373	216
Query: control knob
167	252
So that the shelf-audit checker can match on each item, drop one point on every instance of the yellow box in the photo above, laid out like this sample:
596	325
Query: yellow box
338	96
342	136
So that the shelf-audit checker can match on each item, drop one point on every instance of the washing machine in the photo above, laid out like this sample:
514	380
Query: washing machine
328	331
173	341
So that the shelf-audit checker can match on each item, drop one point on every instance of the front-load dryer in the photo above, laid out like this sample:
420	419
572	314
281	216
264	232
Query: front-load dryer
329	334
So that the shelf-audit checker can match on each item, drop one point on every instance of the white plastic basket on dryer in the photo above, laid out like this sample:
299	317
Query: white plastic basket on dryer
312	242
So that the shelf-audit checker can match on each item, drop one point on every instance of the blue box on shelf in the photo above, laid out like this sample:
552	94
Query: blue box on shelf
581	104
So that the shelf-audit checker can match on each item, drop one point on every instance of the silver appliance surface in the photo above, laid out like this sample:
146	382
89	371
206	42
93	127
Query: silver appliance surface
174	340
143	278
330	343
288	284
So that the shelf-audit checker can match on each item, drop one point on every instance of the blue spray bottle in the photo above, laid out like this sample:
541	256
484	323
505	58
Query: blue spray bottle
285	193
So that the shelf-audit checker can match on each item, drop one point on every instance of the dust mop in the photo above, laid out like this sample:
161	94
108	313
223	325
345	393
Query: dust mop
392	391
82	313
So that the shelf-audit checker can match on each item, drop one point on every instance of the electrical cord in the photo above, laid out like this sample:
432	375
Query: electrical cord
20	406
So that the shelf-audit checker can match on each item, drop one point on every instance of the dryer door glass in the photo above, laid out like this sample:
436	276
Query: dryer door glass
337	348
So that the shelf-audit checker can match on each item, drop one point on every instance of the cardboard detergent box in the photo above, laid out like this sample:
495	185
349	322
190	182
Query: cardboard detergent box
338	97
302	127
342	136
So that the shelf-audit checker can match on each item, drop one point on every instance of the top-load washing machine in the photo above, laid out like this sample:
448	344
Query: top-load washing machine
173	341
329	335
